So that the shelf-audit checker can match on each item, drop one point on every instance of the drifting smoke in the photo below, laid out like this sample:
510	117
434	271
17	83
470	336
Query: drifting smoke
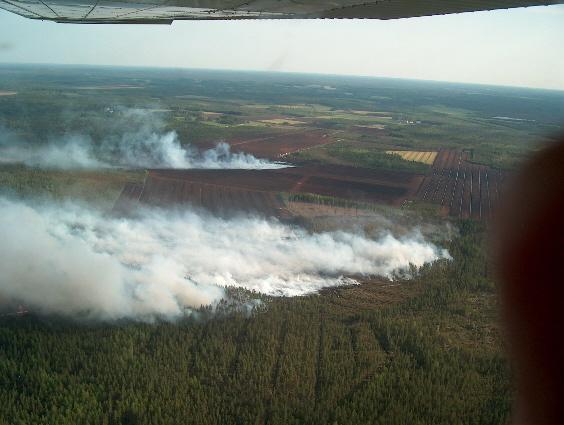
135	139
70	260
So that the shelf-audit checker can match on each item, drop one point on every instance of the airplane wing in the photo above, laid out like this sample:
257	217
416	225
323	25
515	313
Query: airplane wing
166	11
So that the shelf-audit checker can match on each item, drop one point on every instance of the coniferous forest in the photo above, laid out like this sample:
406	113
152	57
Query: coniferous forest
422	351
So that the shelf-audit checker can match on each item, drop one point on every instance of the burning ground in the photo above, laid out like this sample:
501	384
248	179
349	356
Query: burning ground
134	138
73	260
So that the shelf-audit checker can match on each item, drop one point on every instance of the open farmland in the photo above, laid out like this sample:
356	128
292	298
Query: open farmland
462	189
281	121
423	157
223	191
222	200
279	146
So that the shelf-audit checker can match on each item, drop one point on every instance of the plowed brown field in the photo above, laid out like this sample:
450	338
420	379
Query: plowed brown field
461	188
227	191
280	146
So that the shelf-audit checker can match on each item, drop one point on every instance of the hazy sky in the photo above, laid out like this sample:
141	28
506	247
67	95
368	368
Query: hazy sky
521	47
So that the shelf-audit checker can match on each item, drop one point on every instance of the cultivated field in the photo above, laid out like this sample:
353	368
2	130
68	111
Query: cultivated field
224	191
423	157
317	209
282	121
372	126
279	146
461	188
220	200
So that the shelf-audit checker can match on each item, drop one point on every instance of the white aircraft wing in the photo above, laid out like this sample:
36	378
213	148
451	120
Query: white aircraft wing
166	11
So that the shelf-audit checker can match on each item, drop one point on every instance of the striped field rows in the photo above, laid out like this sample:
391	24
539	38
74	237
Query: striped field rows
416	156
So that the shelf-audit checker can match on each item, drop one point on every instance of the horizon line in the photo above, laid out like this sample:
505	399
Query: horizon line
268	71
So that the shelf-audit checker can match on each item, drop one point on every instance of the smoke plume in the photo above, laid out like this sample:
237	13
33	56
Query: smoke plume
133	138
71	260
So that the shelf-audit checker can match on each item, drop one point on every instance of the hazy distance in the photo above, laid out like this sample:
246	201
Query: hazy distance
518	47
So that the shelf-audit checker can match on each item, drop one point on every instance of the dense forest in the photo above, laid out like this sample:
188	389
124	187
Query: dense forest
425	350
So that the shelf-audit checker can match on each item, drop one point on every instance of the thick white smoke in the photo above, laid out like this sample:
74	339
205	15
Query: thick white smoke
67	153
149	151
70	260
134	138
